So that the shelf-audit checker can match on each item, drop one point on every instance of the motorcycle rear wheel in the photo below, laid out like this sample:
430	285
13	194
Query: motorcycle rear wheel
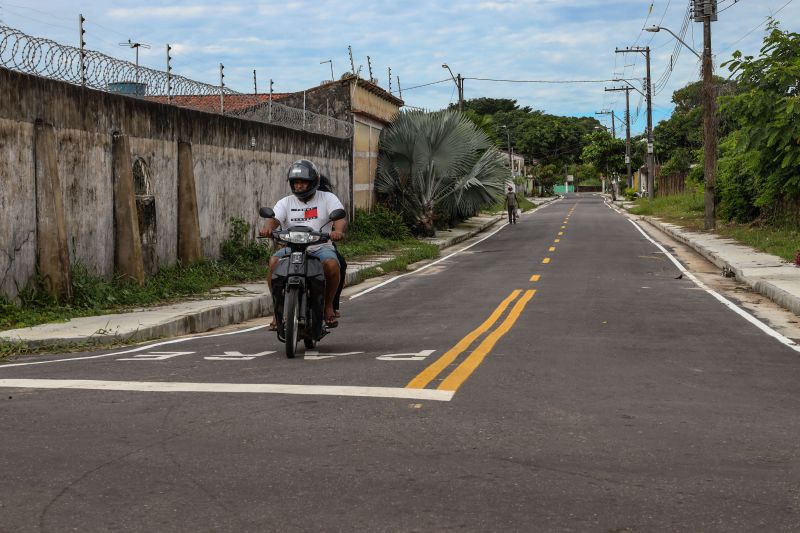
291	309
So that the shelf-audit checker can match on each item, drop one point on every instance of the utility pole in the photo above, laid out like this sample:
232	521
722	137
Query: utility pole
627	130
613	123
459	81
705	11
460	84
651	170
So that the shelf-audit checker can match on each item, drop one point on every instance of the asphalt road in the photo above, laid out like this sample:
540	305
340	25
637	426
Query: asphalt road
560	375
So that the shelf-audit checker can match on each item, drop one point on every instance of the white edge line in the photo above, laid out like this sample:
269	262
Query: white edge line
727	303
133	350
395	278
257	388
390	280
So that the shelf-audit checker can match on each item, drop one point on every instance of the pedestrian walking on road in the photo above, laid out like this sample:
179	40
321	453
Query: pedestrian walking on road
511	205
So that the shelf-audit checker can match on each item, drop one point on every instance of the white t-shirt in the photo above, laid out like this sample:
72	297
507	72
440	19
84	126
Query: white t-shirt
290	211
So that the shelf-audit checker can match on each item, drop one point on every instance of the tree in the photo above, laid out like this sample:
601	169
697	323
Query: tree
767	111
490	106
605	152
438	163
683	130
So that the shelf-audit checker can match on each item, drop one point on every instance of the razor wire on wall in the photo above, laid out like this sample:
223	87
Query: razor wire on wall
46	58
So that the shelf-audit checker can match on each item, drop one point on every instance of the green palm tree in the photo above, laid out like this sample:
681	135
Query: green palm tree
438	162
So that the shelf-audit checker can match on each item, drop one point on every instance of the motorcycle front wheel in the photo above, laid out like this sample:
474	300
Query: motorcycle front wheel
291	309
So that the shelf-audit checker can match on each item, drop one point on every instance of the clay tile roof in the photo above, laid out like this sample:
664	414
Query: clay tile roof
211	103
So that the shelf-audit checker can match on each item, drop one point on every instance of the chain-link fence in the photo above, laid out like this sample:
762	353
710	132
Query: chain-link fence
46	58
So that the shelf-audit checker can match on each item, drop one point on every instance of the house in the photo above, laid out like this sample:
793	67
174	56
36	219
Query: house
517	163
369	108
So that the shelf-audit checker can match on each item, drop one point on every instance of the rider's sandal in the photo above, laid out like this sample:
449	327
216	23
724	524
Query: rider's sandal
331	322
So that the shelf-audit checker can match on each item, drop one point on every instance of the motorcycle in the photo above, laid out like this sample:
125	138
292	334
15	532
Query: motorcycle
298	285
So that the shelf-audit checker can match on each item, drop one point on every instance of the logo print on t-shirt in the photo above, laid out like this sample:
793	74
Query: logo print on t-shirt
310	213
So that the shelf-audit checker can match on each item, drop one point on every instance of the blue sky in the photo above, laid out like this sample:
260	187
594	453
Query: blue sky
552	40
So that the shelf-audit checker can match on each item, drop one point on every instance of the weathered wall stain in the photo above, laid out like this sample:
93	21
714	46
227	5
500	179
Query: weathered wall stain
238	166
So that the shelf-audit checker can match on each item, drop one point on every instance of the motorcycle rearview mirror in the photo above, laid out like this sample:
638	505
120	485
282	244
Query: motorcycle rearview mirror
266	212
338	214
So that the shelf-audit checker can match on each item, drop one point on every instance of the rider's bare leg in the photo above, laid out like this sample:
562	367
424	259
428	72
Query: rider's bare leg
273	261
331	269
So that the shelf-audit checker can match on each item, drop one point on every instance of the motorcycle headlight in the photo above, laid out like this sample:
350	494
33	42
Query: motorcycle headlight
298	237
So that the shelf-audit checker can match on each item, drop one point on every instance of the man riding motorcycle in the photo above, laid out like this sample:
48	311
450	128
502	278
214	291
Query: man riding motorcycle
308	206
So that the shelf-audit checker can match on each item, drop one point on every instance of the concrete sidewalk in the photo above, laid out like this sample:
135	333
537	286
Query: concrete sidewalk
228	305
766	274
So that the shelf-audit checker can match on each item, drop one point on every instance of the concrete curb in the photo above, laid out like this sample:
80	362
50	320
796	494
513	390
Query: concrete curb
766	274
200	316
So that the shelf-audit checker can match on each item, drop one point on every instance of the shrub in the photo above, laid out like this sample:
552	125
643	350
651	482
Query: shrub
381	222
239	248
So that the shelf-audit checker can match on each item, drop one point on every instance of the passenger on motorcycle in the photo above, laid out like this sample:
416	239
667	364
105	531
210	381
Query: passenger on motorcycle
307	206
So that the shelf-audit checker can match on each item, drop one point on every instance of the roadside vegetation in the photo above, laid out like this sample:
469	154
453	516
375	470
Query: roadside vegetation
688	210
758	178
242	259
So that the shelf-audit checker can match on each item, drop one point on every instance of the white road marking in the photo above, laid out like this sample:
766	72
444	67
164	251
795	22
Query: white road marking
236	356
418	356
252	388
134	350
390	280
727	303
155	356
313	355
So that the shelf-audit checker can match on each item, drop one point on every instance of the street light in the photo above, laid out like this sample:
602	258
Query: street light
331	62
709	121
632	86
459	85
656	29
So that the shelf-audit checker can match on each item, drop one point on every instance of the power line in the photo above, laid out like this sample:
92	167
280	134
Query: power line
728	7
539	81
424	85
766	19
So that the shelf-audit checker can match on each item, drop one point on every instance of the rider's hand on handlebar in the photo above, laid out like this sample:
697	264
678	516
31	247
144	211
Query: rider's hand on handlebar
266	231
337	235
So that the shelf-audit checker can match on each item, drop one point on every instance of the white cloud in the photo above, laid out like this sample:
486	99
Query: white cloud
510	39
181	12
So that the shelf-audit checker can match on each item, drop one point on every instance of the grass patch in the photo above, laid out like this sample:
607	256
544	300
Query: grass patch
403	257
8	348
781	241
241	260
522	202
688	210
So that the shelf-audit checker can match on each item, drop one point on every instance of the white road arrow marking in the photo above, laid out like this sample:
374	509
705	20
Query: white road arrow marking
236	356
155	356
406	356
313	355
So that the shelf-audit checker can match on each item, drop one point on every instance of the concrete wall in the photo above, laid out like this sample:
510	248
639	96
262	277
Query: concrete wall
238	166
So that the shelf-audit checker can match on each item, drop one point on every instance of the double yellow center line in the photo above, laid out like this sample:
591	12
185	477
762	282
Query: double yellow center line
468	365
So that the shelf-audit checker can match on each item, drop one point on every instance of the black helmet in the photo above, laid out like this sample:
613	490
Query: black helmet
303	170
